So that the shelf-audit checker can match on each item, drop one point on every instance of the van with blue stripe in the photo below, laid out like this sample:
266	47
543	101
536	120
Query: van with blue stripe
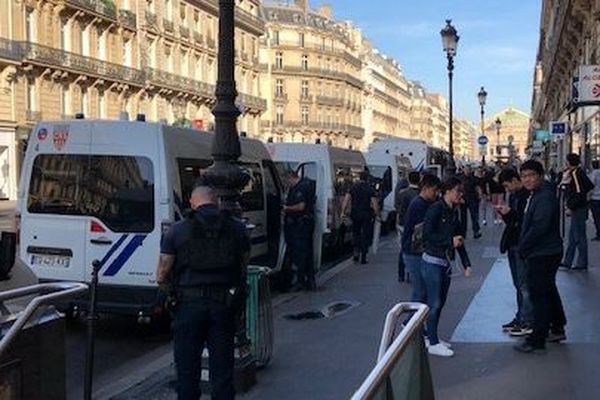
106	190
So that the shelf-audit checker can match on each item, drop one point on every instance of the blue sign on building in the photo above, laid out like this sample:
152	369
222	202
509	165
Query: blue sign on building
558	128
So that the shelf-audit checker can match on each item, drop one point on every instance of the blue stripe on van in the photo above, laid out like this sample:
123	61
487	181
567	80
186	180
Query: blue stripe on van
112	250
122	258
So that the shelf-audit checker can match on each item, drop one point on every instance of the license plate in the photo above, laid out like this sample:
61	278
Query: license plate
38	260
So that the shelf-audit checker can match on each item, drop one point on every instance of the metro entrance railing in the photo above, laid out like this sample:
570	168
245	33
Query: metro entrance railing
402	370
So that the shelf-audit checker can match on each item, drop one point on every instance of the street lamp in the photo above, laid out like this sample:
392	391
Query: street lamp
450	44
225	176
482	97
498	126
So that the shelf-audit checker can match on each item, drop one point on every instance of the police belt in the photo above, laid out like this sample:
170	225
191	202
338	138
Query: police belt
217	293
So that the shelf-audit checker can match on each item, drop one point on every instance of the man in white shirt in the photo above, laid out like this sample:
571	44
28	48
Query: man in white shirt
595	197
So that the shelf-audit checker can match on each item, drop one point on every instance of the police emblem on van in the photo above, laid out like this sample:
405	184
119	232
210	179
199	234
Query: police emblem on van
42	134
60	136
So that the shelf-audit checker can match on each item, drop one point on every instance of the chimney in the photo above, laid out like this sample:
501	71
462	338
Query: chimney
325	11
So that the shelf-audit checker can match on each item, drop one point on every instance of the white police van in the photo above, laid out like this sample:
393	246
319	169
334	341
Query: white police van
106	190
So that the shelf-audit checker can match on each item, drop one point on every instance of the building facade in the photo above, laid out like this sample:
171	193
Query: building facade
569	38
105	57
312	76
513	130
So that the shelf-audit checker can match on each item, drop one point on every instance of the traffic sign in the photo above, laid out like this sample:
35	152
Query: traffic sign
482	140
558	128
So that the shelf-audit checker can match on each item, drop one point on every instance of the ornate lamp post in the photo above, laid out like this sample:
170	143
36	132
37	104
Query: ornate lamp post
225	175
498	126
482	97
450	44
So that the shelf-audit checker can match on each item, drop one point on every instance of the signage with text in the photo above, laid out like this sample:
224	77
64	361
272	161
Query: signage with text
589	85
558	128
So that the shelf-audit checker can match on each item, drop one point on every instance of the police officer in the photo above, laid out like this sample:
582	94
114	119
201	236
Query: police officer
299	226
364	206
203	262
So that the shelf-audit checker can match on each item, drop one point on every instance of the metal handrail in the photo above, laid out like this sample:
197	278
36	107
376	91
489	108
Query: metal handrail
48	292
390	351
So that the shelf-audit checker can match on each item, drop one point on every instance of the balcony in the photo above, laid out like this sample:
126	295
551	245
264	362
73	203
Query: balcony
168	25
281	97
245	56
198	38
306	98
249	21
181	83
151	19
253	102
355	131
184	32
128	19
33	116
9	49
104	8
330	101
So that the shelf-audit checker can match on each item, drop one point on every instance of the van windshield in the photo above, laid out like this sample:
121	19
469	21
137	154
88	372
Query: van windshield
380	178
117	190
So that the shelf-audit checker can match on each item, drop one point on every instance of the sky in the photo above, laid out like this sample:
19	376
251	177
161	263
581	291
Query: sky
497	46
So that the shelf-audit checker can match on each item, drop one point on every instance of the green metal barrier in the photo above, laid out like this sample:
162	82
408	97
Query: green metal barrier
259	315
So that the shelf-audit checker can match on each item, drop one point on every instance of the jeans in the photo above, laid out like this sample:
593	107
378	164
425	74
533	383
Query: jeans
472	205
299	239
197	322
577	239
548	312
595	209
518	272
413	264
437	283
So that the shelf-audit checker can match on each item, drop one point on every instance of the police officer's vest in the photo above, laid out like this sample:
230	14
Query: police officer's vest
211	255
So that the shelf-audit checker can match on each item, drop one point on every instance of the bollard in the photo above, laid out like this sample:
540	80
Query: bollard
91	326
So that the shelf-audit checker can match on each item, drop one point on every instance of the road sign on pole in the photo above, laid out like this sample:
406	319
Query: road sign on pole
482	140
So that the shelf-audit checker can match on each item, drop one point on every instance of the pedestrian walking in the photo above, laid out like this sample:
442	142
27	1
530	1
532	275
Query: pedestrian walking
299	224
513	217
540	245
442	236
402	201
577	189
472	201
203	264
412	236
595	197
364	207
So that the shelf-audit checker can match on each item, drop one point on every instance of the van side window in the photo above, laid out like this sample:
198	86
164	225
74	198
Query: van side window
189	172
345	176
117	190
253	195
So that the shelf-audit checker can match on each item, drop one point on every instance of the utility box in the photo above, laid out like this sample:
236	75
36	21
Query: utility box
33	367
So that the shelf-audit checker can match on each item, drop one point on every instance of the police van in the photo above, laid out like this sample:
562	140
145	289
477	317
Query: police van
106	190
385	171
333	171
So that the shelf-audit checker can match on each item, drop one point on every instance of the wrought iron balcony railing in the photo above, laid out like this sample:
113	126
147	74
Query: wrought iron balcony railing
106	8
127	18
9	49
184	31
330	101
151	19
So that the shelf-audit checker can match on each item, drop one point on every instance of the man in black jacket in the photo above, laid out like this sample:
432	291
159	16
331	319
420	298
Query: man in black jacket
576	196
540	245
513	217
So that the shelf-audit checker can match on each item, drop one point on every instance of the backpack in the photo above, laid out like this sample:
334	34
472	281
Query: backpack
417	243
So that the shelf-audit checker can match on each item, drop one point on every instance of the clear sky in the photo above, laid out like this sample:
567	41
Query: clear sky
497	47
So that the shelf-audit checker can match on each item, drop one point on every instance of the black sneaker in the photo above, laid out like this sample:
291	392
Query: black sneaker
510	325
527	347
596	239
556	337
520	330
477	235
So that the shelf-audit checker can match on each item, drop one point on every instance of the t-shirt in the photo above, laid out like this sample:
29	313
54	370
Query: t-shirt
361	193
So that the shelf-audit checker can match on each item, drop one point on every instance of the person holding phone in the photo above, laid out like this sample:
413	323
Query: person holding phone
442	237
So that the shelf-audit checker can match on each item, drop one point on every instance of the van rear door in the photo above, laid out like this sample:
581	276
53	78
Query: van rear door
53	212
122	231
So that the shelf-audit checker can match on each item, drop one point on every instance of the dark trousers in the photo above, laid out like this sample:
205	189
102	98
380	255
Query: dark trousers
362	233
548	312
472	205
299	239
577	239
518	271
199	322
595	209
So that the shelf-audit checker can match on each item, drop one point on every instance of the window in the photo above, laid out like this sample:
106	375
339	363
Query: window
279	115
168	10
184	63
101	45
279	60
31	103
30	25
305	115
301	39
168	59
65	39
118	190
65	99
305	62
127	53
243	42
304	90
85	40
279	87
152	54
276	38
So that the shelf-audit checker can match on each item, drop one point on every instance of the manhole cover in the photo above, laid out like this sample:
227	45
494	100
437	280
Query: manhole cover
329	311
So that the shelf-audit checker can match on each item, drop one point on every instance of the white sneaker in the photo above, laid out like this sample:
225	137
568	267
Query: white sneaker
440	350
446	344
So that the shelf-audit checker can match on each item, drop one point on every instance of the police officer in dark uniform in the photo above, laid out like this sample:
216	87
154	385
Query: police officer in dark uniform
299	224
364	206
203	262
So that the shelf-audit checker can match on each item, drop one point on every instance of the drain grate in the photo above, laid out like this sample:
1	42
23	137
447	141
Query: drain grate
329	311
